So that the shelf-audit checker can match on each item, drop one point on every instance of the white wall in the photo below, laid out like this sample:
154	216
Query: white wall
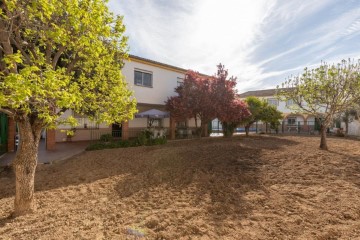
354	128
81	122
282	107
164	82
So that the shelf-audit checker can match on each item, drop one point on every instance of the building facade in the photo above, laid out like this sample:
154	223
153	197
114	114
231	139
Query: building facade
292	121
152	83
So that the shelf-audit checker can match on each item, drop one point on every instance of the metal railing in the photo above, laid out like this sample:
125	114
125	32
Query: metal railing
307	127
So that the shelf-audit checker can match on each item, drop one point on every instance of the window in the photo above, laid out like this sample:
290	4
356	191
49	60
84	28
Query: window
142	78
154	122
180	81
291	121
273	101
181	124
289	102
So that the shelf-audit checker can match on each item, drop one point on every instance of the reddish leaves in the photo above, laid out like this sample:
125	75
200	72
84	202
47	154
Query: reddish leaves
206	98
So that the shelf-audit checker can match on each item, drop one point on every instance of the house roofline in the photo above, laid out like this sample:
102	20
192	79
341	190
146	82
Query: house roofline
160	65
156	64
262	93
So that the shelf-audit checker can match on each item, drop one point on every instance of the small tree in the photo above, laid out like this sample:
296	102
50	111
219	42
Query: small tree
232	115
193	100
256	107
348	116
229	110
324	92
58	55
270	115
206	98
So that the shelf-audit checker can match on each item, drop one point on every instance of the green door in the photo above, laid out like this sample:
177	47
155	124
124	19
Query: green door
3	132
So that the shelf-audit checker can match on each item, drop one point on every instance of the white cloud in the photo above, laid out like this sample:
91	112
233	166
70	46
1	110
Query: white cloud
247	36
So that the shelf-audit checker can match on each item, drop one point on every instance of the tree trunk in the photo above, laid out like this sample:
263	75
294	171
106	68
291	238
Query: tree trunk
323	144
346	127
25	165
247	129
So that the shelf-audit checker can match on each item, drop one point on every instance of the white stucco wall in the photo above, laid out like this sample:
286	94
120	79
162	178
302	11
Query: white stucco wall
81	122
354	128
164	82
284	108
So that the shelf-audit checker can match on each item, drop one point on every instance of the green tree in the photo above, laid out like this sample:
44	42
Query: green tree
324	92
255	106
58	55
270	115
348	116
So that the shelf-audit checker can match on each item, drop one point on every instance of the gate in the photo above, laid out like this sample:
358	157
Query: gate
3	133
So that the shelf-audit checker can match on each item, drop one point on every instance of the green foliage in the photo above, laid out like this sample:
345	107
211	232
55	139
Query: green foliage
146	138
271	115
112	144
324	92
70	132
106	138
228	129
255	106
63	55
262	111
125	144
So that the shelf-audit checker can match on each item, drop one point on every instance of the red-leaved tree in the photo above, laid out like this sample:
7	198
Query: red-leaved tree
205	98
232	115
229	110
193	100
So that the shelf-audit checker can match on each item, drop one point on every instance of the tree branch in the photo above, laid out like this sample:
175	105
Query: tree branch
57	56
7	111
72	64
20	48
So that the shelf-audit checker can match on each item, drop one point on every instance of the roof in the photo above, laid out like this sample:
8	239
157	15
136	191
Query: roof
159	64
261	93
156	64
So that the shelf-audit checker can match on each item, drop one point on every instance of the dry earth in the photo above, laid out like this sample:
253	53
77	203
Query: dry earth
241	188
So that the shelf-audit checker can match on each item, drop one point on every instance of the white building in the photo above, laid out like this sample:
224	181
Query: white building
152	83
293	121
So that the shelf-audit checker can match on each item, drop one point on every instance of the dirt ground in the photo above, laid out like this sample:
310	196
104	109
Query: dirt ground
261	187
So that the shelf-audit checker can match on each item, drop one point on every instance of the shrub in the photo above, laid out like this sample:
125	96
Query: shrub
340	133
106	138
156	141
144	139
96	146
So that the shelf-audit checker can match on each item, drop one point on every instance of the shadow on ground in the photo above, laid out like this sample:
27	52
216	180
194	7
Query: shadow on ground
205	179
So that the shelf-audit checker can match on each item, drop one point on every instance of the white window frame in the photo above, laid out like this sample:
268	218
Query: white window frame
289	102
291	119
142	78
273	101
180	81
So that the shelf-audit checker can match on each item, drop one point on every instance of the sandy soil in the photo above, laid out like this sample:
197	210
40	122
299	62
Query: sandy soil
241	188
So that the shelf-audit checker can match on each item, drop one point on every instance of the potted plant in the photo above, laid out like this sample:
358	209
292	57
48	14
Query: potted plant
70	134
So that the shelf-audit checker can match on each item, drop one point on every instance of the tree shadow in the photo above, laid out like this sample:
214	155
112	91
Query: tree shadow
91	166
209	176
352	170
212	178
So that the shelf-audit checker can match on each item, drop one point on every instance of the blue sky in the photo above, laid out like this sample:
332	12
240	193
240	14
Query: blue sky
261	42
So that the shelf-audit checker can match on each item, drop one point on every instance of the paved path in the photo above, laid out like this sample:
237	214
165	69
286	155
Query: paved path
63	151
